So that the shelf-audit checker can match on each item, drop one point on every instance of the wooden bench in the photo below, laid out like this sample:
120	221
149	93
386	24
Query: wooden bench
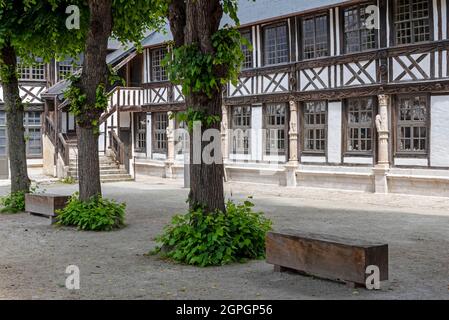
45	205
327	257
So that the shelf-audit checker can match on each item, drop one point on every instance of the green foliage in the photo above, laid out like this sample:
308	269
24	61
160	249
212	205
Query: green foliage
190	116
204	73
216	239
15	201
68	180
96	214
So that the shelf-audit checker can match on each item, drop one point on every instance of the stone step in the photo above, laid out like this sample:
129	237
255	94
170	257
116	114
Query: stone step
102	172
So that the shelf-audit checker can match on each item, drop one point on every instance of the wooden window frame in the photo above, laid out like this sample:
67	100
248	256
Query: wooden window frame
347	127
305	126
268	127
301	34
152	66
343	31
393	29
264	53
156	131
246	52
397	125
136	117
245	128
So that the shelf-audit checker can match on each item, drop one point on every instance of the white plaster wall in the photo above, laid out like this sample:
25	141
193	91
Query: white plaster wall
125	119
64	122
48	156
334	132
256	132
439	131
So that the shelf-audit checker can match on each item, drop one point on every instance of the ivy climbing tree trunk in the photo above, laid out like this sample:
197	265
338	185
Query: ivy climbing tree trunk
14	117
194	22
94	74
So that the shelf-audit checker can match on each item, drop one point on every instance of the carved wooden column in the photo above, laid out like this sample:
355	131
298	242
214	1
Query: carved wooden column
224	133
225	138
292	164
170	147
383	162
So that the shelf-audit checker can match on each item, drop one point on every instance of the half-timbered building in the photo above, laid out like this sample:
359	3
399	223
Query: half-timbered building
336	94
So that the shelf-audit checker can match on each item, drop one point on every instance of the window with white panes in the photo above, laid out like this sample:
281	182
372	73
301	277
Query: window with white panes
315	126
241	129
360	125
275	129
412	124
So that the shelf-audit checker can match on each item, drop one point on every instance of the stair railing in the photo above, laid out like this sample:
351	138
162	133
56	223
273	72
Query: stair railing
117	147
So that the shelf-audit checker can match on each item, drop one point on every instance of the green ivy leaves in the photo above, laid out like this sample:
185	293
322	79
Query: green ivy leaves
202	239
204	73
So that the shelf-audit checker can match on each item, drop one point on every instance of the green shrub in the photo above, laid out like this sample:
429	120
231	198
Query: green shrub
96	214
216	239
13	202
68	180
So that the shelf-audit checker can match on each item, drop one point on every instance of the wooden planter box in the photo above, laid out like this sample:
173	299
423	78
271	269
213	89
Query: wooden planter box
327	257
45	205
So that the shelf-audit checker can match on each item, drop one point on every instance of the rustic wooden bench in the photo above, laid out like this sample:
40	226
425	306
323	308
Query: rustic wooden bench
327	257
45	205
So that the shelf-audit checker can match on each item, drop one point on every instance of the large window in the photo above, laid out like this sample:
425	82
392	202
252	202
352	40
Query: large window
160	124
357	36
140	128
413	124
315	126
315	35
276	129
247	52
31	72
241	129
412	21
158	72
276	44
33	134
360	125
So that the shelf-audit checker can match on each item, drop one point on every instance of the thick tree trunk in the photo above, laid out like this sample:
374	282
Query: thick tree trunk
95	72
195	22
15	129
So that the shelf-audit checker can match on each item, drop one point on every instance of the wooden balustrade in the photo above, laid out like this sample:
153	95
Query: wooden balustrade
64	149
50	129
117	147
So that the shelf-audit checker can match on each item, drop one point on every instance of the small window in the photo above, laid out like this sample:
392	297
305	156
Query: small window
276	45
241	130
413	124
357	36
315	33
315	126
412	21
360	125
276	129
160	124
140	127
31	72
67	67
158	72
247	52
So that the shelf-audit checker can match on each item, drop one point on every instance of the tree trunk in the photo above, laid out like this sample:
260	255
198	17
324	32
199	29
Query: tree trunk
95	72
195	22
14	116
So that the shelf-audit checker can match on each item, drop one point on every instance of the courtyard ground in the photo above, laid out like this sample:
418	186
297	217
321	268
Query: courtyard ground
34	255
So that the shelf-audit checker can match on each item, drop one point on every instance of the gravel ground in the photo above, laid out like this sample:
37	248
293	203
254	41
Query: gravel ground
34	255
